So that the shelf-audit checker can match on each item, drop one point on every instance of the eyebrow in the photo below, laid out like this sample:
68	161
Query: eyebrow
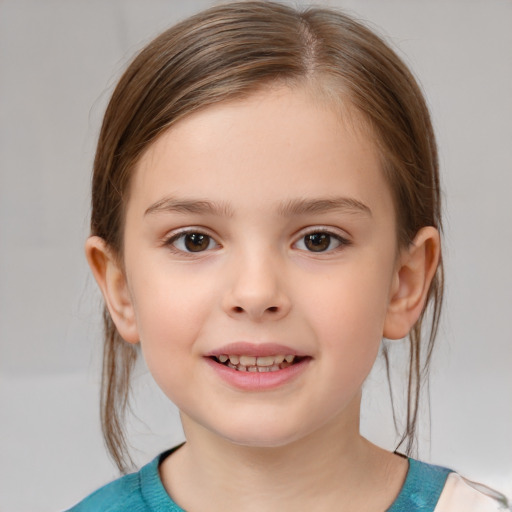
311	206
288	209
200	206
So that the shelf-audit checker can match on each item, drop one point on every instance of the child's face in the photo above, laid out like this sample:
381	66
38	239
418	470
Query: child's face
291	250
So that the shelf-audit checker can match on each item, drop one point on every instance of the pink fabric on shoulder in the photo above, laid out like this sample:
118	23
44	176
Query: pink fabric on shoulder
460	495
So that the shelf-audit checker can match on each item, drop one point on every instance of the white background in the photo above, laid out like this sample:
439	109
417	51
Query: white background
58	63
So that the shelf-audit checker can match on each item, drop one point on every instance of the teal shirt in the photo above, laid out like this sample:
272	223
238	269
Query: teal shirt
144	491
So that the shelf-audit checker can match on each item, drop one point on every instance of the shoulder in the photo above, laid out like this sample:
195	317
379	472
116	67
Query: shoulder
120	495
429	488
423	485
137	492
461	495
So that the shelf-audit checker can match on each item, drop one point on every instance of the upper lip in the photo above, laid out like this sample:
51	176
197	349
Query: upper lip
243	348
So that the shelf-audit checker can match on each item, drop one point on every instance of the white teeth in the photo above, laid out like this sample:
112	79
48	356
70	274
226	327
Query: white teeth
260	369
265	361
248	360
256	364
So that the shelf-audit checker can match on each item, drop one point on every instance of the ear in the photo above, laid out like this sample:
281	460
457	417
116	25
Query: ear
416	268
111	279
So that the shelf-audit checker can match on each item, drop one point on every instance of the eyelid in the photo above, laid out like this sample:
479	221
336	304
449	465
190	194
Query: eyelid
340	235
320	228
169	239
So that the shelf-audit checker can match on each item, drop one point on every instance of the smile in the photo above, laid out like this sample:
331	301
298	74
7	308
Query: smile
261	364
257	367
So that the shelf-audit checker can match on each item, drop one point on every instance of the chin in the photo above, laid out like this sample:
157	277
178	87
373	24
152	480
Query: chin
261	435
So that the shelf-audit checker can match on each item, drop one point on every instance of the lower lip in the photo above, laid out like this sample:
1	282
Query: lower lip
258	381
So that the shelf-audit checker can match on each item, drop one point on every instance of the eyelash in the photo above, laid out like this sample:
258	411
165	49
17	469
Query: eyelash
341	241
175	237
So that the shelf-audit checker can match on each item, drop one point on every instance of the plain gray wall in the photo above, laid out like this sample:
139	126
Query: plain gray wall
58	63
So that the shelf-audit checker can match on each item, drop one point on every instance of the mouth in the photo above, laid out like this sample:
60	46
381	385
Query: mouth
258	364
258	367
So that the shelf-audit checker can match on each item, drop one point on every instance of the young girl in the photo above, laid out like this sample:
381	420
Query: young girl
265	210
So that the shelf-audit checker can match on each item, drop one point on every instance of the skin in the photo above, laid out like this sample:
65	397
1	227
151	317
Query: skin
296	446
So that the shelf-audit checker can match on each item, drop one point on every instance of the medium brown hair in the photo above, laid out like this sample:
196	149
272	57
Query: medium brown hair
228	52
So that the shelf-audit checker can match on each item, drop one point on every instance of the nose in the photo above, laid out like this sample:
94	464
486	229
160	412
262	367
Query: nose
256	289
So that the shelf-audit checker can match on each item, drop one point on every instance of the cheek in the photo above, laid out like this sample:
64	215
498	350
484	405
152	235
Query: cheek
170	309
353	304
347	312
169	325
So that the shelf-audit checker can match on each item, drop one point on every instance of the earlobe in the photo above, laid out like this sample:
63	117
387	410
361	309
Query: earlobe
415	270
112	281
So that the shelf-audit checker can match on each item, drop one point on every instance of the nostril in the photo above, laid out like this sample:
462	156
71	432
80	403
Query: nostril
271	309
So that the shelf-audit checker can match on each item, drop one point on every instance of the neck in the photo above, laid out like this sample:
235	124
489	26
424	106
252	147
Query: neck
330	469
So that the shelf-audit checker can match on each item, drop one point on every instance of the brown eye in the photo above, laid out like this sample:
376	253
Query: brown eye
192	242
196	242
321	241
317	242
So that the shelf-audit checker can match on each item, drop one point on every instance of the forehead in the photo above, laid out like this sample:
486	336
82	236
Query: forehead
275	145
